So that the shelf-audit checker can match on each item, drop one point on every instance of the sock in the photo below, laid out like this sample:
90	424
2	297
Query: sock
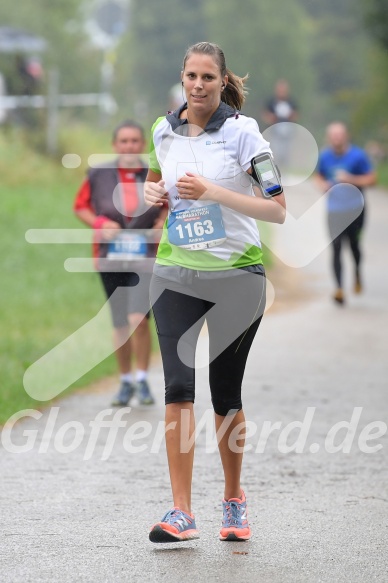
141	375
126	378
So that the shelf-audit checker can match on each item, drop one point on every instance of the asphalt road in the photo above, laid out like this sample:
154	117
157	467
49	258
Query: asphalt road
77	504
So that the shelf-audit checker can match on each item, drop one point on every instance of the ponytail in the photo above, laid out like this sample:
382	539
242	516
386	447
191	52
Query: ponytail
234	92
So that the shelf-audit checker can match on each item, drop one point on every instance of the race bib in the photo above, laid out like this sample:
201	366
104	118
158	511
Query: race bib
127	247
196	228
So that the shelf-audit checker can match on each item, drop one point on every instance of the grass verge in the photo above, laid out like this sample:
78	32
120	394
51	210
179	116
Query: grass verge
42	303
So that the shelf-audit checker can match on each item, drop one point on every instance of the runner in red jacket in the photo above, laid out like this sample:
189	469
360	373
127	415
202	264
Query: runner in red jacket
111	201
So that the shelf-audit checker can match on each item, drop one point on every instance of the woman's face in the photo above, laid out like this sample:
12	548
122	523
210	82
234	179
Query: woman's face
202	82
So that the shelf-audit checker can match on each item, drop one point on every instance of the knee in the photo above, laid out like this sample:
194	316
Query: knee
138	322
226	406
179	392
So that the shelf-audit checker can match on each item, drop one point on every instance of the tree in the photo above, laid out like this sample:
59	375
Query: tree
339	55
270	40
150	56
370	116
376	19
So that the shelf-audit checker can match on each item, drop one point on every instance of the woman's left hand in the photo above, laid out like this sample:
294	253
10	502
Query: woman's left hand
194	187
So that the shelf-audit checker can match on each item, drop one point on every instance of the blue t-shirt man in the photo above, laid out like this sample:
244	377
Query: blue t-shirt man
331	164
343	170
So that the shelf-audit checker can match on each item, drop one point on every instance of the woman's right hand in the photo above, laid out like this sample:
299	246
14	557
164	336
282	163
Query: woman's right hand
155	193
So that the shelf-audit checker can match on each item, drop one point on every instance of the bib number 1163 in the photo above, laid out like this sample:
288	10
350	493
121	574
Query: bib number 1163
196	229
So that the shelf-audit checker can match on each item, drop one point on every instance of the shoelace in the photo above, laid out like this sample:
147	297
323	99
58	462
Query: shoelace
176	517
233	511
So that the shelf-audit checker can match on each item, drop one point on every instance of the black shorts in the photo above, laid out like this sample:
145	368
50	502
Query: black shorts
127	293
232	307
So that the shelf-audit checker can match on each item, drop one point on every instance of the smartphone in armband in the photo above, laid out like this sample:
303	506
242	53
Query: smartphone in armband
267	174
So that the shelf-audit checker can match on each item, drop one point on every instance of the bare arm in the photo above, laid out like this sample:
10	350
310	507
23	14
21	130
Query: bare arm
272	210
362	180
159	222
269	117
87	216
321	183
108	228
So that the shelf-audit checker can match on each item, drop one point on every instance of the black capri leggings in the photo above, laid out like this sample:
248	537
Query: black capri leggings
340	230
232	307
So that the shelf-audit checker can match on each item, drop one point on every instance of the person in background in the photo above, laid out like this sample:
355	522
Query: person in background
281	108
30	73
111	200
341	164
176	97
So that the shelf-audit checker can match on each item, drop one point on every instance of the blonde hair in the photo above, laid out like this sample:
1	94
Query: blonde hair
234	92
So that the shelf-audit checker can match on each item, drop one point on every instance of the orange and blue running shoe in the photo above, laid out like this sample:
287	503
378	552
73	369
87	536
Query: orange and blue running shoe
175	526
235	525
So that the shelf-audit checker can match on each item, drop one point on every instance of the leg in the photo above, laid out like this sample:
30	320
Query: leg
123	349
115	285
356	252
141	340
141	344
337	223
175	313
123	352
180	451
231	457
138	317
179	523
354	234
337	266
241	301
226	376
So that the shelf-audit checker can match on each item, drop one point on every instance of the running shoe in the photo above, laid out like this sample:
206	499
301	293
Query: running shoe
144	393
235	525
124	395
339	296
175	526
